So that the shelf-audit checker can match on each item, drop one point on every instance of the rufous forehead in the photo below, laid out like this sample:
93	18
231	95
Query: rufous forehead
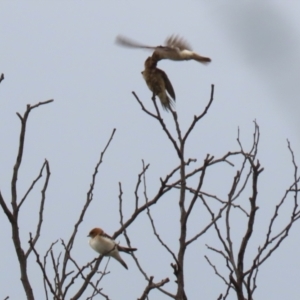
96	231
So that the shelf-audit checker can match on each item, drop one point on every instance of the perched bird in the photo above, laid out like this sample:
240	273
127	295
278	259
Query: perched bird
105	245
159	83
175	48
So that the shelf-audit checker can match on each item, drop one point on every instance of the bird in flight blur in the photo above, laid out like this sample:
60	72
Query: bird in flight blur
175	48
159	83
105	245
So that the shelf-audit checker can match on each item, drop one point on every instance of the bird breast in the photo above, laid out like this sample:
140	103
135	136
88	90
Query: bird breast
102	245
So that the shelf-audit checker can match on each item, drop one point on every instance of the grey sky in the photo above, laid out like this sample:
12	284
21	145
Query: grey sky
65	50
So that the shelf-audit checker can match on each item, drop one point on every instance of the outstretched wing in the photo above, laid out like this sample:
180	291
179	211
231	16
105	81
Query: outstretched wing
126	42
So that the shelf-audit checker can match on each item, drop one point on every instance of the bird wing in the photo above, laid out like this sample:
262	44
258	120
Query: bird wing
107	236
173	45
174	41
126	249
126	42
168	83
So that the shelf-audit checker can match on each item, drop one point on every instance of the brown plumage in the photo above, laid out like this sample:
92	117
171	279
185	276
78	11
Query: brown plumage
159	83
175	48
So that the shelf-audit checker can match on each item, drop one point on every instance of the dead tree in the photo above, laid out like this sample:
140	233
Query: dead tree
243	282
12	213
65	278
177	179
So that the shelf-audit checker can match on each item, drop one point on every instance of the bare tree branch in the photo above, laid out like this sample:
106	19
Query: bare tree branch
197	118
42	203
13	214
238	277
152	286
6	210
1	79
43	269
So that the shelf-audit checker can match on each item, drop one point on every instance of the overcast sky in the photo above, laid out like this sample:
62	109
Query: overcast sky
65	51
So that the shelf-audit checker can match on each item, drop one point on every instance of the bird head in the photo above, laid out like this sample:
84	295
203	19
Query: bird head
96	231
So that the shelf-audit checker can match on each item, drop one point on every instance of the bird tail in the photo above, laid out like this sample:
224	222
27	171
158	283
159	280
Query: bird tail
123	263
166	102
201	59
117	256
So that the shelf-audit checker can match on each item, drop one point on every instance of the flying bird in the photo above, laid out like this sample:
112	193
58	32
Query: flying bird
159	83
175	48
105	245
